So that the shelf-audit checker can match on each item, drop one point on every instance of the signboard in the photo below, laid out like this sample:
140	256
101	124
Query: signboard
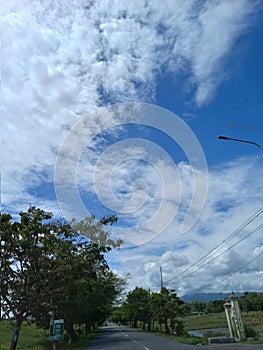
56	330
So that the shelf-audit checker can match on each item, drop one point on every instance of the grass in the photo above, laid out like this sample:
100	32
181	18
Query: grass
33	338
205	321
30	338
252	320
184	338
80	345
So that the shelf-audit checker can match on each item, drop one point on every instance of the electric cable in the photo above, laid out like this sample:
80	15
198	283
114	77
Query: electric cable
240	269
216	257
221	245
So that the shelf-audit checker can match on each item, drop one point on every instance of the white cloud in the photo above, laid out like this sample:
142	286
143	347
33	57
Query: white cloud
231	230
220	24
61	60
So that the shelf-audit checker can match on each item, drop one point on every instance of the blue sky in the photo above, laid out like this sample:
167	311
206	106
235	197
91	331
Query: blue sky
181	73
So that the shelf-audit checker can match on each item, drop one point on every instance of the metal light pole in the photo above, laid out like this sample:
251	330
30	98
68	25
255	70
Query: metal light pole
232	310
245	141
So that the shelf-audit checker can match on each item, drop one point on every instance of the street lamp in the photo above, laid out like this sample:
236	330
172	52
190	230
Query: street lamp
245	141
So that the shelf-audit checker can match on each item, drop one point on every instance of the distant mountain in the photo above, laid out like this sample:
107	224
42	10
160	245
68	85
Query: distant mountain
205	297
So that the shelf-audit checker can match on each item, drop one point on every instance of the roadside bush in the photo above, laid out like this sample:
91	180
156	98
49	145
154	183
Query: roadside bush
250	332
179	327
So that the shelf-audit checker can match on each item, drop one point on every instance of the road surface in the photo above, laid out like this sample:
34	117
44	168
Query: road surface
113	337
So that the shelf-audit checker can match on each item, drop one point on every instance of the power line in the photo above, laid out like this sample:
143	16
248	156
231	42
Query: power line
222	244
241	268
217	256
215	249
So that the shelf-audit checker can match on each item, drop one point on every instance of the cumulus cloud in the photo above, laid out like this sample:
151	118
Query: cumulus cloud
62	60
222	248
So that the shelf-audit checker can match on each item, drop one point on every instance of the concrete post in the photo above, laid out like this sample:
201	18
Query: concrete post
236	314
227	307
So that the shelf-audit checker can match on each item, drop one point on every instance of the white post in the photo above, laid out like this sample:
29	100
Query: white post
227	307
237	316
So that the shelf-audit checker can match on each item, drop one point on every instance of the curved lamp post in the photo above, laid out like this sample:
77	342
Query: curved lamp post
245	141
233	308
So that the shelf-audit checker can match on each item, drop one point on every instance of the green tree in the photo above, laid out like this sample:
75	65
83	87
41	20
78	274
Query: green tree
214	306
96	303
186	308
47	266
138	306
251	301
24	248
166	307
120	314
199	306
5	226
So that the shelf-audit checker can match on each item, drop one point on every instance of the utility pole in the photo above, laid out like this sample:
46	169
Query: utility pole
161	276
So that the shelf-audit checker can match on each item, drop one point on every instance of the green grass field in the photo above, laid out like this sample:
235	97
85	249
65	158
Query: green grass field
30	337
33	338
205	321
253	319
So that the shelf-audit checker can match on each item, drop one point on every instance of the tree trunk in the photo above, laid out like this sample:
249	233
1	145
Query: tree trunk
160	326
167	330
88	327
80	330
16	334
72	334
149	325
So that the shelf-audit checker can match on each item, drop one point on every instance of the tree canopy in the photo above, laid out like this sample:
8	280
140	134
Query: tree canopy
149	308
47	266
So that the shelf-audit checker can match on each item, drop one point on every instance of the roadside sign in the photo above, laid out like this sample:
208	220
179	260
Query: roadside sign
56	330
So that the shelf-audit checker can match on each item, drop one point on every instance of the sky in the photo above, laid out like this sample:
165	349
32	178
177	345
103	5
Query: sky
114	107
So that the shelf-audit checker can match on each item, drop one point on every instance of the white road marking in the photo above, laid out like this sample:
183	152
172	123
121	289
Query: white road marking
133	340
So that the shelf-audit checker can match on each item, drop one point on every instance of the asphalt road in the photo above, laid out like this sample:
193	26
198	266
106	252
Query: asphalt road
113	337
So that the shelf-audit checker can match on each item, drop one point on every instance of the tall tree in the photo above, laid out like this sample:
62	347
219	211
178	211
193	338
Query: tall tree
47	266
138	306
251	301
166	306
162	306
25	250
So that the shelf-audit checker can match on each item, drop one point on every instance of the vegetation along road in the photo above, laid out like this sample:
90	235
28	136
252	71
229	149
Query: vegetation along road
114	337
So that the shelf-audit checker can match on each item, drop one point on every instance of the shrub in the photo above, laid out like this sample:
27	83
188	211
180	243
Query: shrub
179	327
250	332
